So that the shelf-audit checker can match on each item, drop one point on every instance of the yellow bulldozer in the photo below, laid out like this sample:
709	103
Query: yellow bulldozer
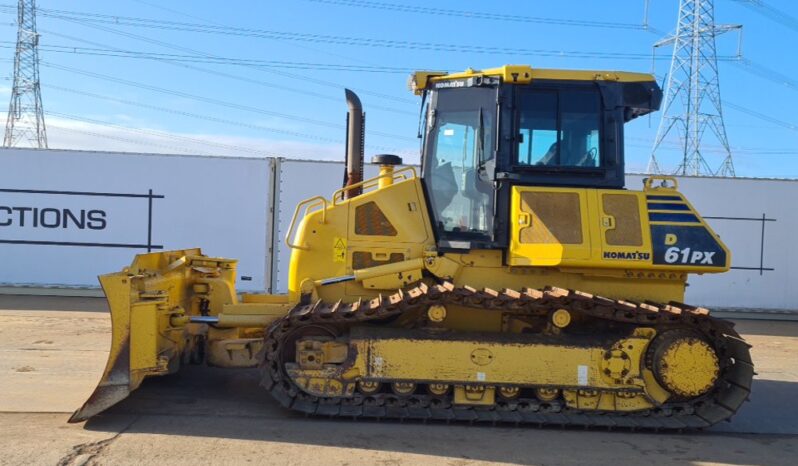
512	279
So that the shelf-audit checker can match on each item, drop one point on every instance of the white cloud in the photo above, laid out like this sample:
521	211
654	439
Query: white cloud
63	133
125	133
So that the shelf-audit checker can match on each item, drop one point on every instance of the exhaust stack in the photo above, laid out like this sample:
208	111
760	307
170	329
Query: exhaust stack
355	138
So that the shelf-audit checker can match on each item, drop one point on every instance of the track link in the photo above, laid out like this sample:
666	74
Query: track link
730	392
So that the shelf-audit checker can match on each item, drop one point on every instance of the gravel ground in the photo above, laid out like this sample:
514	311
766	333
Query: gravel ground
53	350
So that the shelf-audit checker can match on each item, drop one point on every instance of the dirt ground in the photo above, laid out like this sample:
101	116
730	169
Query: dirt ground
53	350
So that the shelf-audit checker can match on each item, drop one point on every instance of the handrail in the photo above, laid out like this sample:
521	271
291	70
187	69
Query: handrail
371	182
307	203
403	173
648	183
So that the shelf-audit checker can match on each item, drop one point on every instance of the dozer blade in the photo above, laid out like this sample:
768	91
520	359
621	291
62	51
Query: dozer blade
150	304
116	382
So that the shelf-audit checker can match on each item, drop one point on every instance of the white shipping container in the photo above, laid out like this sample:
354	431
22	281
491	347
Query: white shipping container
68	216
753	217
756	219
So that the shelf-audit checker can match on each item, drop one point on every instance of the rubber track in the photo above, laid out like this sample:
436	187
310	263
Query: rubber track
730	392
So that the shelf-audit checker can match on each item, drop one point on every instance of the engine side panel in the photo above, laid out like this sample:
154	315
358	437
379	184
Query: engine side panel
611	229
378	227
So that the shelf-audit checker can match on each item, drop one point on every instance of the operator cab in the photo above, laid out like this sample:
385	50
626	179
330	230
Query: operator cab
487	131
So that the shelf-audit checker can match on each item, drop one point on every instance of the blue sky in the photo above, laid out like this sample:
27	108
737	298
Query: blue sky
259	108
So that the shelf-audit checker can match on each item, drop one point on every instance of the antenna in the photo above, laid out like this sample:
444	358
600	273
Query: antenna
692	95
25	123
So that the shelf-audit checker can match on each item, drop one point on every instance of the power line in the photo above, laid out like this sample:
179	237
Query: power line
751	67
762	71
721	149
239	78
188	15
774	14
559	53
326	52
339	40
766	73
747	64
96	19
778	123
762	116
236	106
185	95
751	126
743	63
479	14
214	119
675	149
214	60
209	100
158	24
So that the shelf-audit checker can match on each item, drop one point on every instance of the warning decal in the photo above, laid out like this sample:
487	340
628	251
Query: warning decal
339	249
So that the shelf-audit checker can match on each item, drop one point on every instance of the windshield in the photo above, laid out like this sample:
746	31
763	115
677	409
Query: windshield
559	129
461	129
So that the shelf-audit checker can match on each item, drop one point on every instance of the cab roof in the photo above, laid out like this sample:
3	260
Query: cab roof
524	74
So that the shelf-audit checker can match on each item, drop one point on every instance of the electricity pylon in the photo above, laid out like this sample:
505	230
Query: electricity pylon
692	96
25	123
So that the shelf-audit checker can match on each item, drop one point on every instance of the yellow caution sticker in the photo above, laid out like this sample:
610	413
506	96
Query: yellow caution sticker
339	249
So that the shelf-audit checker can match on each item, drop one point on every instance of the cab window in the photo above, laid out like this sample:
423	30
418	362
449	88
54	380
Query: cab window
559	128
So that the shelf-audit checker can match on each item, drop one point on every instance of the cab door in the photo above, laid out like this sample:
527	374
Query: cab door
549	226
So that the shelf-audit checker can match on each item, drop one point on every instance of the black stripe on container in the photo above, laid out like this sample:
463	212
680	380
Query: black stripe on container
82	243
80	193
